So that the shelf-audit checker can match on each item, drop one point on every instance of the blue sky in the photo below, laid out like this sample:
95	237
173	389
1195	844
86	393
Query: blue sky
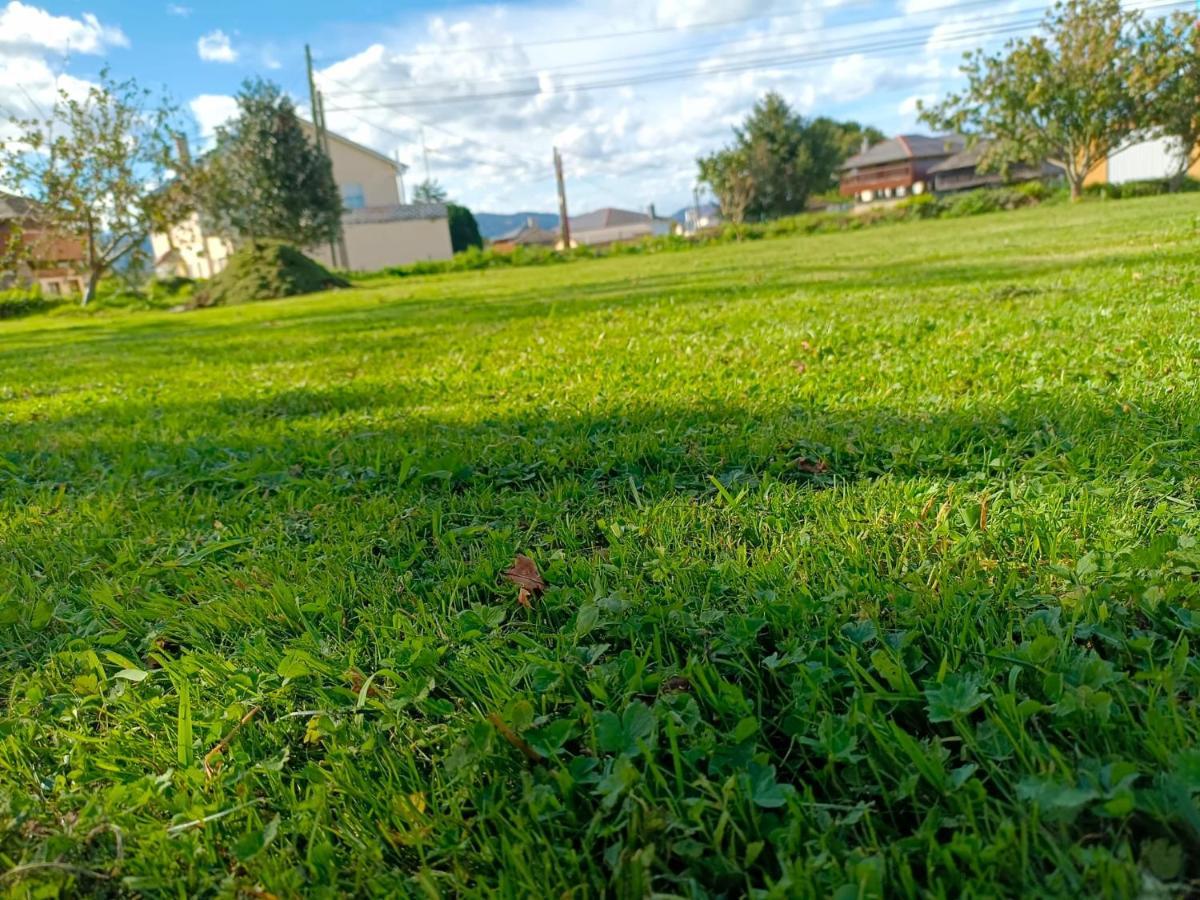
493	87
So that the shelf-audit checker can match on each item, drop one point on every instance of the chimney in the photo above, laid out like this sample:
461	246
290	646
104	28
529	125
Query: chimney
531	222
181	147
650	210
866	144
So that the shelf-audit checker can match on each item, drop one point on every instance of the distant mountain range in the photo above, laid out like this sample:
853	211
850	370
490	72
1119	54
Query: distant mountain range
492	225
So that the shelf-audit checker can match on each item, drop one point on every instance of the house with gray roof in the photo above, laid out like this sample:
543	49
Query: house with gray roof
962	172
378	228
531	234
610	226
896	168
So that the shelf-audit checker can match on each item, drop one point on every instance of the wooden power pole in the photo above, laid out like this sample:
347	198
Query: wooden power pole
564	224
318	120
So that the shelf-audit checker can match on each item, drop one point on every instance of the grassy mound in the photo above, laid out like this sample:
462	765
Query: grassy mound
266	270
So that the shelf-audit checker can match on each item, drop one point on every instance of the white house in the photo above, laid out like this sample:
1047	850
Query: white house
379	228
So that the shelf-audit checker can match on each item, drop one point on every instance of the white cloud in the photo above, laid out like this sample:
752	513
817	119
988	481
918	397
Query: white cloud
33	44
175	9
908	106
28	29
212	110
215	47
491	114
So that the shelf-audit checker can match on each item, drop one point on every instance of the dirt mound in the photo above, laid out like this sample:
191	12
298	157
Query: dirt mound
266	270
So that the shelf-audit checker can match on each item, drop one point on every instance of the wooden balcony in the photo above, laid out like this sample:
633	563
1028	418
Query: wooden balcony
875	178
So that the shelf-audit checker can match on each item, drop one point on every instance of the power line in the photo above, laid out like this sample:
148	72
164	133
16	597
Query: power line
612	35
788	61
691	48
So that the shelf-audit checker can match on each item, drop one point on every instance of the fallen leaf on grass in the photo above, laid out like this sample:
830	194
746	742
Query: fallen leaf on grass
675	684
525	575
799	366
812	466
357	679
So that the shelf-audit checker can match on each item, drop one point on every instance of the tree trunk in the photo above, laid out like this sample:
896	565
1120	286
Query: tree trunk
1076	182
93	281
93	270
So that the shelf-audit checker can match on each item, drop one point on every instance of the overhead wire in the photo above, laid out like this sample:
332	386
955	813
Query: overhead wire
691	48
785	61
789	60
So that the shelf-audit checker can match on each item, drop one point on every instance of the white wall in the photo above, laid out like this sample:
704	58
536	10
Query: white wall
382	244
1158	158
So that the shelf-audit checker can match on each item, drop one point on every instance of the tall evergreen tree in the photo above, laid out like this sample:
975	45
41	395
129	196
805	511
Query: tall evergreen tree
777	161
464	230
267	179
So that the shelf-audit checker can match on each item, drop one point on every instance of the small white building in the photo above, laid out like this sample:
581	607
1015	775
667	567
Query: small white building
1152	159
378	228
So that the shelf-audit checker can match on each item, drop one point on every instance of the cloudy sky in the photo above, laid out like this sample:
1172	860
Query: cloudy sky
631	91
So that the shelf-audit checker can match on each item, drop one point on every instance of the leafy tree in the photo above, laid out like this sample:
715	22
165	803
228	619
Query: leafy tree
429	191
464	230
1173	84
777	160
1069	97
266	178
94	165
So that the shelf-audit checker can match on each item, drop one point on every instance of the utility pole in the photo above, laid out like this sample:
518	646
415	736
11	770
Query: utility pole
564	224
318	120
425	154
696	208
344	254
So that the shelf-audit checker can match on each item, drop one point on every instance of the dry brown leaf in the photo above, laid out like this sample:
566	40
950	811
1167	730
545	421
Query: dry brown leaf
676	684
357	679
812	466
525	575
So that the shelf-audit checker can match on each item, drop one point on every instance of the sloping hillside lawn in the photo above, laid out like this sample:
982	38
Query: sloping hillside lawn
872	568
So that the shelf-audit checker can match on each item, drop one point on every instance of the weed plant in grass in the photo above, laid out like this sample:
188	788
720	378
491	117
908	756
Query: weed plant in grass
871	569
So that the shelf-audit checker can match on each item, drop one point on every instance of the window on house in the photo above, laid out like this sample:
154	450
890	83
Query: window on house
352	196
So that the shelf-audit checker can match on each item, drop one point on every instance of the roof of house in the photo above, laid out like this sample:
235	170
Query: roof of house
967	158
406	212
527	232
14	207
905	147
608	218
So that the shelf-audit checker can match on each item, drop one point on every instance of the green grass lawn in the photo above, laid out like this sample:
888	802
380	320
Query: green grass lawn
872	564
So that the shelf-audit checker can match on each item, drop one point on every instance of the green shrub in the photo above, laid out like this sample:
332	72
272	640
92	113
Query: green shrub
266	270
922	206
25	301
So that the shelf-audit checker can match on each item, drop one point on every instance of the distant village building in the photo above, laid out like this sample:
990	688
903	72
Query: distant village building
896	168
531	234
698	218
961	172
53	261
610	226
379	228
